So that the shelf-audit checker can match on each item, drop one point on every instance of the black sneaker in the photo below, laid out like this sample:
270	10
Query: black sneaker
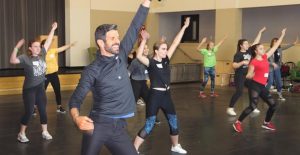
61	110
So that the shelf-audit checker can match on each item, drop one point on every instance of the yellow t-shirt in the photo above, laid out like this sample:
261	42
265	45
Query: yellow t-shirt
52	61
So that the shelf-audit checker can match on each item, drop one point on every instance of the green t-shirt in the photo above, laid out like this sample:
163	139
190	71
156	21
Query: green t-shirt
209	57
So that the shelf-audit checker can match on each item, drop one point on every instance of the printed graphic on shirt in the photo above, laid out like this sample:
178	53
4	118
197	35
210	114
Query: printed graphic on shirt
159	65
39	67
247	57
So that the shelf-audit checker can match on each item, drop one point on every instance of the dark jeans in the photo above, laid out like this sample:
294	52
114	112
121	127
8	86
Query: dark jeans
109	132
255	91
239	81
209	72
140	89
54	80
31	96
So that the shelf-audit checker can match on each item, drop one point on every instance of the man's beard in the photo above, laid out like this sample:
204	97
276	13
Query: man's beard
110	49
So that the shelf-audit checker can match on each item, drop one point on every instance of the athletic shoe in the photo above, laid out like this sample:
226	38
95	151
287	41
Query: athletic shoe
231	112
178	149
34	112
22	138
237	126
214	95
61	110
46	135
140	102
157	122
281	97
268	126
256	111
202	95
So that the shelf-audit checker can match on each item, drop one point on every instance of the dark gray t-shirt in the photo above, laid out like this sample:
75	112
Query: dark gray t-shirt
138	71
34	69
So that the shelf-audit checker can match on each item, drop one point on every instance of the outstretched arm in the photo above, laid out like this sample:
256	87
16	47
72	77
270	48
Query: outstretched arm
63	48
221	42
134	28
257	39
13	58
139	55
276	45
201	43
290	45
178	38
50	36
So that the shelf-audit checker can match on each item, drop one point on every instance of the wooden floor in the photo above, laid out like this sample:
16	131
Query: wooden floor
205	129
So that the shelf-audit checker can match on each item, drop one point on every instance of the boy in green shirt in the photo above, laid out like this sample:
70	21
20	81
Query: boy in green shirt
209	59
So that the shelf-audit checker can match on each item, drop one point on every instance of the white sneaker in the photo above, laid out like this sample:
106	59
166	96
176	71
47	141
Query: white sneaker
256	111
22	138
281	97
178	149
46	135
231	112
140	102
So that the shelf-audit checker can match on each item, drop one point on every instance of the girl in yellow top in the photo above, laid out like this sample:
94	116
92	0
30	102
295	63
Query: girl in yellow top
52	72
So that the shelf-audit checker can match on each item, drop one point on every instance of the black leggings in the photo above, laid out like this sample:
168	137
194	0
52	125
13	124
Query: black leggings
159	100
54	80
255	91
31	96
140	89
239	81
109	132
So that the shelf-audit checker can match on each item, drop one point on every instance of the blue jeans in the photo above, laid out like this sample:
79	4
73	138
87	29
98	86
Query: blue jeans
270	79
209	72
275	75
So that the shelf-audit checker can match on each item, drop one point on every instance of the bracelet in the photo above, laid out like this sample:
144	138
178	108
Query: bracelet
16	49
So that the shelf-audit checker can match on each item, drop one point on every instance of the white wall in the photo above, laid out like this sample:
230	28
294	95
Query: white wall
77	16
274	18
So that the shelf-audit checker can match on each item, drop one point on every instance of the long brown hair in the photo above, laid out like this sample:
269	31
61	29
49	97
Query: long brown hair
272	42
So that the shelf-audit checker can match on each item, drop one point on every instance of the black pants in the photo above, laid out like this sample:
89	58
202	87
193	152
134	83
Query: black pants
159	100
109	132
140	89
255	91
239	80
31	96
54	80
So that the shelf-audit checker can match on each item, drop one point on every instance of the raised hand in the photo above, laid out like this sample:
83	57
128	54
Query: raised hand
20	43
54	26
263	29
187	22
145	35
283	31
203	40
296	41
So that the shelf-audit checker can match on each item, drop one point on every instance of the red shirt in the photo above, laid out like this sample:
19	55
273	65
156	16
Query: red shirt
261	69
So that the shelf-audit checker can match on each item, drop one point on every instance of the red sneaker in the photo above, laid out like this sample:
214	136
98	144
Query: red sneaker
268	126
238	126
214	95
202	95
